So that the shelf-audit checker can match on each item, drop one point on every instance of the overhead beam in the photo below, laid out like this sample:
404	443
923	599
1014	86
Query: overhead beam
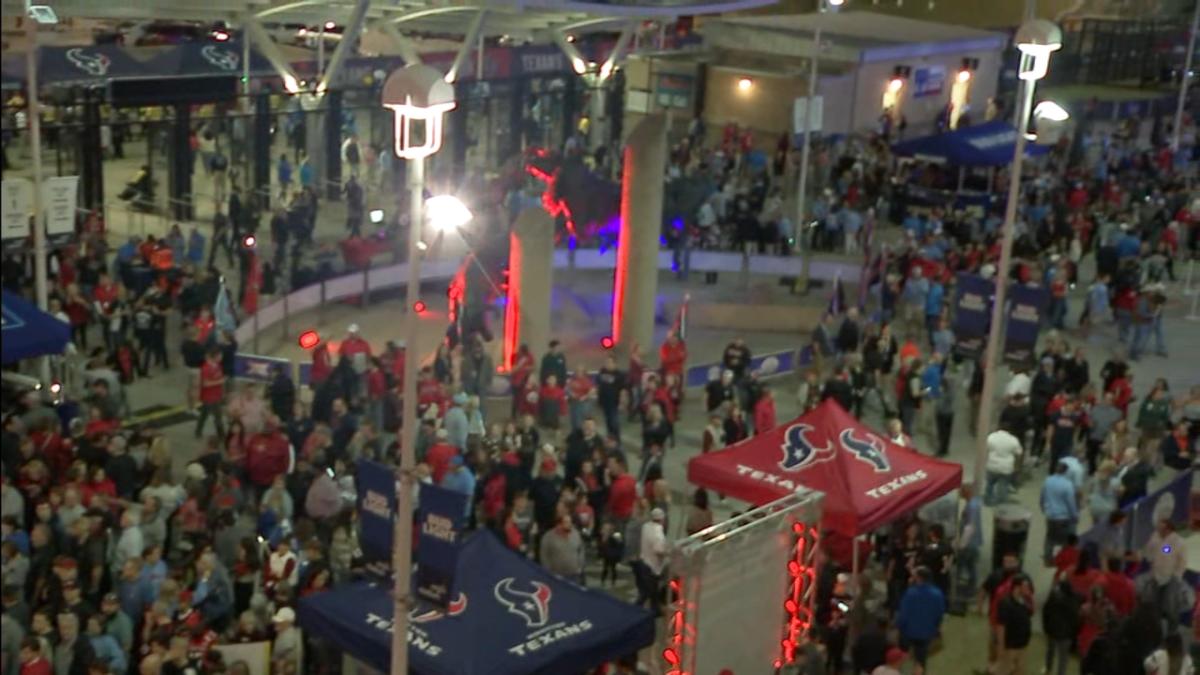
403	44
468	44
432	11
287	7
270	50
348	43
618	51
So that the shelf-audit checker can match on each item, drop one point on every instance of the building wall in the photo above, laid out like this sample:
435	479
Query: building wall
766	108
921	112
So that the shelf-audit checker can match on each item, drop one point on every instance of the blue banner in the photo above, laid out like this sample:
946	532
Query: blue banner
376	508
441	516
767	365
1027	305
972	314
1172	501
258	368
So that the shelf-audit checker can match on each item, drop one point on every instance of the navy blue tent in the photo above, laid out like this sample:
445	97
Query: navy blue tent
207	58
96	63
511	617
28	331
987	144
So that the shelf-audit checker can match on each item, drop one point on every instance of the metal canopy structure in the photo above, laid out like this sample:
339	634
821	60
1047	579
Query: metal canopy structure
530	19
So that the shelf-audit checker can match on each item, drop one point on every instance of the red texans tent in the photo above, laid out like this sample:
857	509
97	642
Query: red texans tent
867	480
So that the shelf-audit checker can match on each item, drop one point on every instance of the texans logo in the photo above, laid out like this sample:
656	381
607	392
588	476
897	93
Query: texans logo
533	606
799	452
869	450
221	58
456	607
92	64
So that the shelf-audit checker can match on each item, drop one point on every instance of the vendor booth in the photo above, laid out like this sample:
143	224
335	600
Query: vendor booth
510	616
29	332
867	480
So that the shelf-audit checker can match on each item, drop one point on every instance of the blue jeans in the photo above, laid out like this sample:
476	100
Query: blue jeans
578	410
1141	335
1124	324
967	567
998	487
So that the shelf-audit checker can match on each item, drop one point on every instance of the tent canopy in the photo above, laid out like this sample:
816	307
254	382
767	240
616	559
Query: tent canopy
510	617
30	332
987	144
867	480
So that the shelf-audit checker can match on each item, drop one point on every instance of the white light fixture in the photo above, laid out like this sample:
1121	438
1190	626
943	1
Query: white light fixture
43	15
1036	39
1050	122
329	25
1051	112
578	65
376	216
745	84
836	3
447	212
419	93
895	85
964	76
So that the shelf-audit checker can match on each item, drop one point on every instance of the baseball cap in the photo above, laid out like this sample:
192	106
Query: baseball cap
284	615
353	328
657	514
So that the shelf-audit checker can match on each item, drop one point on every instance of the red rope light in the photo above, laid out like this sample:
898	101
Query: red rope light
798	616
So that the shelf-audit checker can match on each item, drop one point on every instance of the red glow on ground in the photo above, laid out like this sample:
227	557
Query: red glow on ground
309	339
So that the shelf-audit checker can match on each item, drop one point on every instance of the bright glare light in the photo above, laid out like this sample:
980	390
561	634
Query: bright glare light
570	38
329	25
1050	111
836	3
301	32
745	84
578	65
895	85
447	212
964	76
422	246
376	216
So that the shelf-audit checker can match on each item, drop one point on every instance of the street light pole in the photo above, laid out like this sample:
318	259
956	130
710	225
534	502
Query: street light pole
1183	80
805	151
995	336
40	271
402	548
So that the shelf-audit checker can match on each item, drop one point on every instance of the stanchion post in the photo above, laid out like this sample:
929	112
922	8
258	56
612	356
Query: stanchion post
255	340
286	328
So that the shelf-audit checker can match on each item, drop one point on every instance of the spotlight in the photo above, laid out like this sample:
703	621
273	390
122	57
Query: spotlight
55	387
606	342
895	85
376	216
419	306
964	76
330	25
249	241
309	339
745	84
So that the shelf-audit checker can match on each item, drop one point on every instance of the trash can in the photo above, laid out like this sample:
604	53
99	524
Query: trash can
1010	531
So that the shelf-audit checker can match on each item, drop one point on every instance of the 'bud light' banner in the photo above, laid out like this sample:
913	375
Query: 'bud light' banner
376	508
972	314
1027	305
441	516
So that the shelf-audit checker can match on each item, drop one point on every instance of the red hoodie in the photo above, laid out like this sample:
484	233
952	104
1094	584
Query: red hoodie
268	455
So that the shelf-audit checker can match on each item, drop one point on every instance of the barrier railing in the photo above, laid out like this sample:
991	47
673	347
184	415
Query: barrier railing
362	283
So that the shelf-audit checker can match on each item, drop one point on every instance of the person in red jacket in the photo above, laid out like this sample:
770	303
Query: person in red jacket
353	346
673	355
268	454
439	455
764	412
1122	391
552	403
430	392
33	662
1119	588
622	491
322	365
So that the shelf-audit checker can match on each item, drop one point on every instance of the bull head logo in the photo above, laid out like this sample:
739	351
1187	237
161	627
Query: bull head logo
533	606
92	64
799	452
869	449
456	607
224	59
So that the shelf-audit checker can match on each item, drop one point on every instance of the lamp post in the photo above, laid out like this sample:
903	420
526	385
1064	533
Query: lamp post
1035	39
806	140
414	93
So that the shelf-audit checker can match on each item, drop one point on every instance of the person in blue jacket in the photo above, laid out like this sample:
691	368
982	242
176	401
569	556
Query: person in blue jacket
919	618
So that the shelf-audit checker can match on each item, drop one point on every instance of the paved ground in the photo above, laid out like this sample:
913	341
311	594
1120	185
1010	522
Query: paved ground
964	638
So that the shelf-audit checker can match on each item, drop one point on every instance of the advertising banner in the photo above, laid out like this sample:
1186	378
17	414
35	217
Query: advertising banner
972	314
441	516
258	368
929	81
376	508
59	199
17	198
1027	306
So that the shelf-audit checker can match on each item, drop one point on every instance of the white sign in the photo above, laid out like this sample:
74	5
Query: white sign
800	114
59	199
256	656
16	205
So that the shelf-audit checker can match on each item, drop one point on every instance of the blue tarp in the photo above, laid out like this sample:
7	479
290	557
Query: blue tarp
988	144
510	617
28	331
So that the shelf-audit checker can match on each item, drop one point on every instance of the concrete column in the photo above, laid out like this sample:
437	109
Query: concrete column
635	285
598	116
530	280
